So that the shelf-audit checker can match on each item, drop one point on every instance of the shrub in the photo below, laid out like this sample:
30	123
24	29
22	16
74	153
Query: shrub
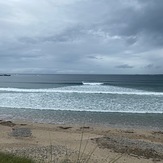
9	158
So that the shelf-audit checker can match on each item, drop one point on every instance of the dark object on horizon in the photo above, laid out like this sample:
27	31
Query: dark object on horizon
5	75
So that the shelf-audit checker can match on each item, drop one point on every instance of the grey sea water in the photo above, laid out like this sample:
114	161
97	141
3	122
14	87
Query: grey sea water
117	100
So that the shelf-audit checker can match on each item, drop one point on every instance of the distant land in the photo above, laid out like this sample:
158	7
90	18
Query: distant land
5	75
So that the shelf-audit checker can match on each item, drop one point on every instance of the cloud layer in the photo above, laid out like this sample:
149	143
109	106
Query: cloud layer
81	36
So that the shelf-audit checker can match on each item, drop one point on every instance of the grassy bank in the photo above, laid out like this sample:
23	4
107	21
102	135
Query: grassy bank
9	158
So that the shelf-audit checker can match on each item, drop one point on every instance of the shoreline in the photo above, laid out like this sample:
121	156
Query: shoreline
132	145
115	120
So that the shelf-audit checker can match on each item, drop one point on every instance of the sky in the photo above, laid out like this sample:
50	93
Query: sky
81	36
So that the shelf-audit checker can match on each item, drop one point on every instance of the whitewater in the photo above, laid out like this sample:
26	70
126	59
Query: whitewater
112	100
89	96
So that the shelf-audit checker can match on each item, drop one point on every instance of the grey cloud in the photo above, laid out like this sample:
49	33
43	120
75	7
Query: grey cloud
124	66
94	57
81	36
149	66
144	23
28	40
68	35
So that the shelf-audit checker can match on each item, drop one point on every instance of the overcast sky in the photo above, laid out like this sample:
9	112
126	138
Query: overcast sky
81	36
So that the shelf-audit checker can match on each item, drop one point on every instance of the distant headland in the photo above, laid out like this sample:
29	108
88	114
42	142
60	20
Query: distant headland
5	75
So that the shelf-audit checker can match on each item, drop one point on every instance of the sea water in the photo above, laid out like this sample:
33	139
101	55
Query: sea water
106	99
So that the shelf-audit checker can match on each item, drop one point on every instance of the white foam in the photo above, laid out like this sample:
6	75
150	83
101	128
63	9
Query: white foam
113	90
42	99
92	83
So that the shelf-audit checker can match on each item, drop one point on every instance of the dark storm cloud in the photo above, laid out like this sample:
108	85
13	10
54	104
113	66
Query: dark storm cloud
81	36
135	21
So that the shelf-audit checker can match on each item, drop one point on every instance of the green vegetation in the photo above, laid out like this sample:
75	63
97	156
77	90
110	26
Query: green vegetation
9	158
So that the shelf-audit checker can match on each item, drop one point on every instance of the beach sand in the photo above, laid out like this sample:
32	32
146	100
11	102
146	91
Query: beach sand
47	142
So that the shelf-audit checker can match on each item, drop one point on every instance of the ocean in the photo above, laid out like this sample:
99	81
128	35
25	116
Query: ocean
113	100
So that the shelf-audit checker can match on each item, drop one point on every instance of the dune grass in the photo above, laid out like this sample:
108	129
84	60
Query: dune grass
9	158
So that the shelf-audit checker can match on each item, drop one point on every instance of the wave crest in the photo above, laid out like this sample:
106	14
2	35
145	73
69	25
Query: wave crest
52	90
92	83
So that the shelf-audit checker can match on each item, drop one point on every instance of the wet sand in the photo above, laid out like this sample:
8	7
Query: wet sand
46	142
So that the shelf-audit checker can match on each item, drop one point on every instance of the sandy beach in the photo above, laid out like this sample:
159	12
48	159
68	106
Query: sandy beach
45	142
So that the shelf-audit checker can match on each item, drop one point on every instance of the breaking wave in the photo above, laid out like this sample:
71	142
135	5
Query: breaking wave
100	98
92	83
85	90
